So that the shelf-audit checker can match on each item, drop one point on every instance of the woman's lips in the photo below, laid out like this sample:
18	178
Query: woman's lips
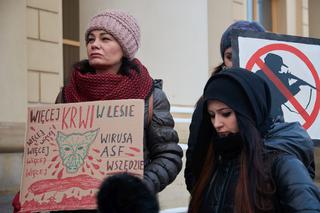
223	134
92	55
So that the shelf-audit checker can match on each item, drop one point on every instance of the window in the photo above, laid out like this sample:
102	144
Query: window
263	12
71	44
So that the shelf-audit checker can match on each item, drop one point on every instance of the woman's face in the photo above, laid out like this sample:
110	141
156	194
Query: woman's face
227	57
223	118
104	52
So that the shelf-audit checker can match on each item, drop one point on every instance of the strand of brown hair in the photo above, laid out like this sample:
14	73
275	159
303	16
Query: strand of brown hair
243	201
199	188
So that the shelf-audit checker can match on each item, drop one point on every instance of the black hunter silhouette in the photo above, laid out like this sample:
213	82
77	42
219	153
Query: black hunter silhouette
274	63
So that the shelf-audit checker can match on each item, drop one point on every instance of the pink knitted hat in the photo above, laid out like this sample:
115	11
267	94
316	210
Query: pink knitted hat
122	26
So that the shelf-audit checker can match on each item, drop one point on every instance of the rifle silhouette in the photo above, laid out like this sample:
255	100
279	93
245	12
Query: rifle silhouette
289	75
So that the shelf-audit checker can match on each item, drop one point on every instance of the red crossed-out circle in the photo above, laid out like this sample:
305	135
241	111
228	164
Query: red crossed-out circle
255	59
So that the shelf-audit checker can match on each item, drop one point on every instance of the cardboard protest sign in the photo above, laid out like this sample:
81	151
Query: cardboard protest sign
71	148
290	65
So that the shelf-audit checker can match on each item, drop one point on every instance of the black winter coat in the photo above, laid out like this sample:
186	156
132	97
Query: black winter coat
162	154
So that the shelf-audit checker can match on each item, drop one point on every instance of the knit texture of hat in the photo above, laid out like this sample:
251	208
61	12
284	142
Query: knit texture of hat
122	26
243	91
225	42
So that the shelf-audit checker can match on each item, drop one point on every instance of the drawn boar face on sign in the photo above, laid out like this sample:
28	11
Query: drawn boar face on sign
73	148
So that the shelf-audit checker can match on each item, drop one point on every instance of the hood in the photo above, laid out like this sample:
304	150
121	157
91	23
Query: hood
244	92
292	138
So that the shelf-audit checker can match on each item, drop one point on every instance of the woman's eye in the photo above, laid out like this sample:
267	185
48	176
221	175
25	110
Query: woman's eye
90	40
212	115
105	39
226	114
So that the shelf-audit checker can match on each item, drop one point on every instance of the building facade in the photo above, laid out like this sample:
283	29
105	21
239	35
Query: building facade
180	39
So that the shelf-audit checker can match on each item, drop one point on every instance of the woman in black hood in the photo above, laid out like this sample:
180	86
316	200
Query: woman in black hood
233	169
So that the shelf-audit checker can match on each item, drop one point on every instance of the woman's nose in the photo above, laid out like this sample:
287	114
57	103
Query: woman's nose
217	123
95	44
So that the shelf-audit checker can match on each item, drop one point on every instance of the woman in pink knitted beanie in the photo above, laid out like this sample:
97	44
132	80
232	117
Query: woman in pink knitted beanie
111	72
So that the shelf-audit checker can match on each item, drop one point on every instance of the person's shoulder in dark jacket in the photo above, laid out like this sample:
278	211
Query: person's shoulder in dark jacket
295	189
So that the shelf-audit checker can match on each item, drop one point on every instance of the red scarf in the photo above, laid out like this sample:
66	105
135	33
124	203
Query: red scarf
108	86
